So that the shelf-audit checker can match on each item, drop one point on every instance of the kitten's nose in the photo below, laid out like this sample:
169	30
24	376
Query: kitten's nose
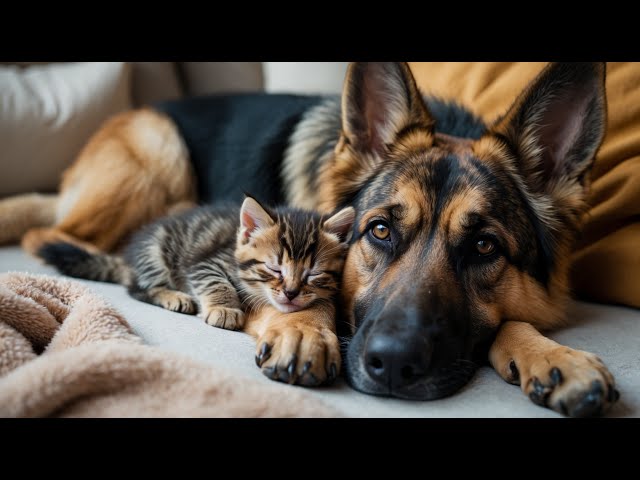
291	294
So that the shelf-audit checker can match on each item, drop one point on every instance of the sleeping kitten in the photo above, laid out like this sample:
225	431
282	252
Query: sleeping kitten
272	272
222	264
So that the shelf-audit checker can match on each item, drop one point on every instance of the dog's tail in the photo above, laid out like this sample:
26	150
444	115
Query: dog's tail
74	261
20	213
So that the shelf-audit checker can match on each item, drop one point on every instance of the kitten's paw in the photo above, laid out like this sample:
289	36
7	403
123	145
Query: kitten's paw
176	301
222	317
299	354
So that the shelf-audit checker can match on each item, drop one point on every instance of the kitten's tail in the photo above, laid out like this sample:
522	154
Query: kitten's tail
74	261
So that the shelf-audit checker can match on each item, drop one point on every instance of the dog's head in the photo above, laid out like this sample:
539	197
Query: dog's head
454	236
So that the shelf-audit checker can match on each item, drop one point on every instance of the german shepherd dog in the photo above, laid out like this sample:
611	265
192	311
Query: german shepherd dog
461	245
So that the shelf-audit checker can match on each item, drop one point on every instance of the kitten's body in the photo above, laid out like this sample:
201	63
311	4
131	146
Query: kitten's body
226	261
186	263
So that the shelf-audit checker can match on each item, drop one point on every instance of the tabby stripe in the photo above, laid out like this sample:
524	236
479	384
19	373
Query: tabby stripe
248	264
254	280
286	246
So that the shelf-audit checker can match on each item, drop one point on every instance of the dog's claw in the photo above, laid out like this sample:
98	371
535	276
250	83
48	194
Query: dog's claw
556	376
539	394
333	373
291	369
263	356
515	374
271	372
306	368
613	393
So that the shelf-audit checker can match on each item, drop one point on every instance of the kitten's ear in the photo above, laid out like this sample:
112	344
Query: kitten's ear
557	124
253	216
341	223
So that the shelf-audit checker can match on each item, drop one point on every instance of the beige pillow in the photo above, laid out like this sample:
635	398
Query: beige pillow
48	112
154	82
202	78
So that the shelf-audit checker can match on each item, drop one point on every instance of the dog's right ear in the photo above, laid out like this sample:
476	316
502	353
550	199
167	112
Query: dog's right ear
379	101
557	125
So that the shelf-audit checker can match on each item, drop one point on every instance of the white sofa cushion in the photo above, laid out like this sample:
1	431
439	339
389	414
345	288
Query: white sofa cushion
48	113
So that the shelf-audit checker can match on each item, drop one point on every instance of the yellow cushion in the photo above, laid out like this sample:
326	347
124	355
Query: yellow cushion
606	264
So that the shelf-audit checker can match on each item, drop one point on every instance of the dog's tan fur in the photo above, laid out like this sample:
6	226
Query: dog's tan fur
133	170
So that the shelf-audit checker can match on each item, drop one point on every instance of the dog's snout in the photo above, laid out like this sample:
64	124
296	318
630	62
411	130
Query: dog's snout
395	360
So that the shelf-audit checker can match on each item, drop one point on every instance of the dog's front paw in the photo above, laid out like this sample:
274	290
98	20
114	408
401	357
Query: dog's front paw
222	317
299	354
571	382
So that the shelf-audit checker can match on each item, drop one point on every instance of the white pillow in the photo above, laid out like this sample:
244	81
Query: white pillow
47	114
304	77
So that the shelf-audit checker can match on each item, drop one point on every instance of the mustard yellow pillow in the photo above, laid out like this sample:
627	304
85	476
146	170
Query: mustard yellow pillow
606	263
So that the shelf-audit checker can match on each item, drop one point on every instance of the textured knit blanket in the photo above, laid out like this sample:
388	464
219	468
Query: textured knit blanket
65	352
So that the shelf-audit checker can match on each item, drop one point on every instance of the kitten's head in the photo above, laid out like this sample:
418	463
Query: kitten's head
291	258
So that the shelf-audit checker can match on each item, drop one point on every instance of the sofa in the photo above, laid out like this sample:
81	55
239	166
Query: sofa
610	331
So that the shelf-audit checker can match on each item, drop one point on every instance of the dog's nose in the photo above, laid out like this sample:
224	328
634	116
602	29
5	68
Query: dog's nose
291	294
397	359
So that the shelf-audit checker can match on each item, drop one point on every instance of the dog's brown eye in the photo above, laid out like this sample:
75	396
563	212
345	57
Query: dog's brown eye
484	246
380	231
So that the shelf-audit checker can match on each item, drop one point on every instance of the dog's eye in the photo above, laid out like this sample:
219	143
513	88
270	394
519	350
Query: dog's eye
381	231
485	246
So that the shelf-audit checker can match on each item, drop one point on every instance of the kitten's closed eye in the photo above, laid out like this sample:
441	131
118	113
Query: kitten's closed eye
272	268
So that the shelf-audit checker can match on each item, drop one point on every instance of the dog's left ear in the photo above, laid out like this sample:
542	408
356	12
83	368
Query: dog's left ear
557	125
380	100
341	223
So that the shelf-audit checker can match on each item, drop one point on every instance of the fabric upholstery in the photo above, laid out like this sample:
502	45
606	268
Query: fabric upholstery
201	78
48	113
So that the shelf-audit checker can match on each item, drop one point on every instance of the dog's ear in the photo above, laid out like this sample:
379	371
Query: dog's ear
379	101
341	223
557	125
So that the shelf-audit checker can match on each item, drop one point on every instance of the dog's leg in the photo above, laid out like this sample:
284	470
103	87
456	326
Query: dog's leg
297	347
571	382
19	214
